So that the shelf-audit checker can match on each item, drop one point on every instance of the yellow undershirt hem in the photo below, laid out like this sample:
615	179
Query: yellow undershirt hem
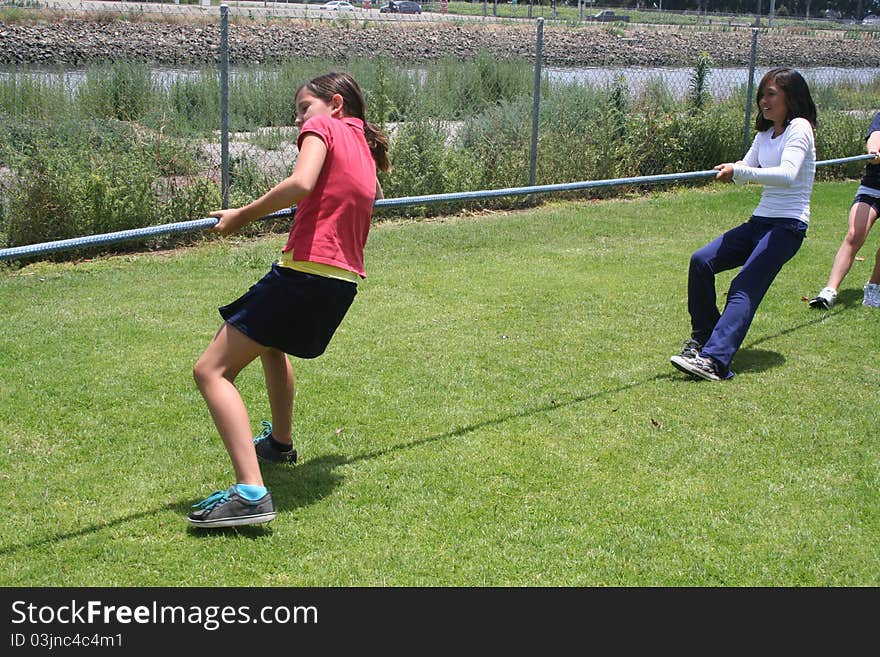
316	268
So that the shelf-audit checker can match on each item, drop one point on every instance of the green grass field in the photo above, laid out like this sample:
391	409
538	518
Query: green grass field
496	409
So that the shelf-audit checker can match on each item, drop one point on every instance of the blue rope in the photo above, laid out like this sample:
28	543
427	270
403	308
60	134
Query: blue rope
43	248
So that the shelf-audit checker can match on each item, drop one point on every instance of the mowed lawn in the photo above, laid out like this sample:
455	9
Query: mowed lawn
497	409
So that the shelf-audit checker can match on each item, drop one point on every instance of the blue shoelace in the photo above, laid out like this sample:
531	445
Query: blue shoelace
214	499
267	431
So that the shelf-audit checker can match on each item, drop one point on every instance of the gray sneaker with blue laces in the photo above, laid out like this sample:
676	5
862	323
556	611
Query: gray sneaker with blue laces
227	508
266	450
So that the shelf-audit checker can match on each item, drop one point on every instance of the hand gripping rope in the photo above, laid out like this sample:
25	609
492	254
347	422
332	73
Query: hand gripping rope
31	250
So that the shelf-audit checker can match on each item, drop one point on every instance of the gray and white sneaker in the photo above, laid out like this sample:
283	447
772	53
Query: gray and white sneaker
825	299
872	295
227	508
697	366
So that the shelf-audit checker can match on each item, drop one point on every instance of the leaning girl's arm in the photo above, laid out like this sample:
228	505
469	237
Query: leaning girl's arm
300	183
797	146
291	190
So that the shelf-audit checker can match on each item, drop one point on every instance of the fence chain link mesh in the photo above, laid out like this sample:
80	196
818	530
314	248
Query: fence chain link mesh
454	125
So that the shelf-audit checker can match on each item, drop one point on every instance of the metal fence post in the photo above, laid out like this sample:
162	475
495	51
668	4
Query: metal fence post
224	105
536	103
747	132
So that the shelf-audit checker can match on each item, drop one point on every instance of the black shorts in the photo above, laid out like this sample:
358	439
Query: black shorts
292	311
873	201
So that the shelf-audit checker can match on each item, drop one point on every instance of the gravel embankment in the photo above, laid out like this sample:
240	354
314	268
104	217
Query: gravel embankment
75	41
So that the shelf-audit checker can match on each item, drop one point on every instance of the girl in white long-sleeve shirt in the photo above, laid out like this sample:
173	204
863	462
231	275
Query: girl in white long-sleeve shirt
782	158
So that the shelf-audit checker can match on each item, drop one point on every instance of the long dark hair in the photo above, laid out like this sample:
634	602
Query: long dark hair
353	103
797	97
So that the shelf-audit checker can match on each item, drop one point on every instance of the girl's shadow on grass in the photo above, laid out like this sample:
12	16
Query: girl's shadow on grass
850	297
749	359
756	360
294	487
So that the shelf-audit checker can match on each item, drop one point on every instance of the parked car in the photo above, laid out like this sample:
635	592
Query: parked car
338	5
607	15
871	19
400	7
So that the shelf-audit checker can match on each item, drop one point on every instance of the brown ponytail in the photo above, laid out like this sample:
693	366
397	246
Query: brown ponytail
378	143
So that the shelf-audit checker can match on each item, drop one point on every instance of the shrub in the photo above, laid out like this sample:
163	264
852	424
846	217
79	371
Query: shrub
461	89
246	181
78	179
498	142
123	91
840	134
698	96
193	105
419	155
32	97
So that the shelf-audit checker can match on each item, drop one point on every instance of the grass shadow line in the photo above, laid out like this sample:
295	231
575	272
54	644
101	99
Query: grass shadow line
822	316
316	479
749	359
12	549
501	419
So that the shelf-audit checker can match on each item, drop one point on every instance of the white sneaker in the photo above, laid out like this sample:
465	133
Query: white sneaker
825	299
872	295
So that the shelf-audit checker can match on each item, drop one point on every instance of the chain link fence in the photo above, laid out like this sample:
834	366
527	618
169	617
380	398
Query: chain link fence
570	11
356	10
133	144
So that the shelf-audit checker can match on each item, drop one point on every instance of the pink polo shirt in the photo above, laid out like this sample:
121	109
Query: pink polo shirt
331	224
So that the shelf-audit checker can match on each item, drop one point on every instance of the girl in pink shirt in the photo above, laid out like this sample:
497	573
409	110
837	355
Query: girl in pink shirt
297	306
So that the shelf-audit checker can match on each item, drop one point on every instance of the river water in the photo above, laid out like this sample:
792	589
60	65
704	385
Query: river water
721	82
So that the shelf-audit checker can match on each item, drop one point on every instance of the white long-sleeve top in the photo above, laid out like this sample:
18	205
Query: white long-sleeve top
786	166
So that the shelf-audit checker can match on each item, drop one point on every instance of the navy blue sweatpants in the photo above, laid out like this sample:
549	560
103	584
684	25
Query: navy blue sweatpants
762	246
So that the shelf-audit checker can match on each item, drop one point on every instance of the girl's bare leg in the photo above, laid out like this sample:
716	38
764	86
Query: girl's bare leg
281	386
861	218
215	372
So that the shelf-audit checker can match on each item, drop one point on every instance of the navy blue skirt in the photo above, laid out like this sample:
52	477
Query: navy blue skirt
292	311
